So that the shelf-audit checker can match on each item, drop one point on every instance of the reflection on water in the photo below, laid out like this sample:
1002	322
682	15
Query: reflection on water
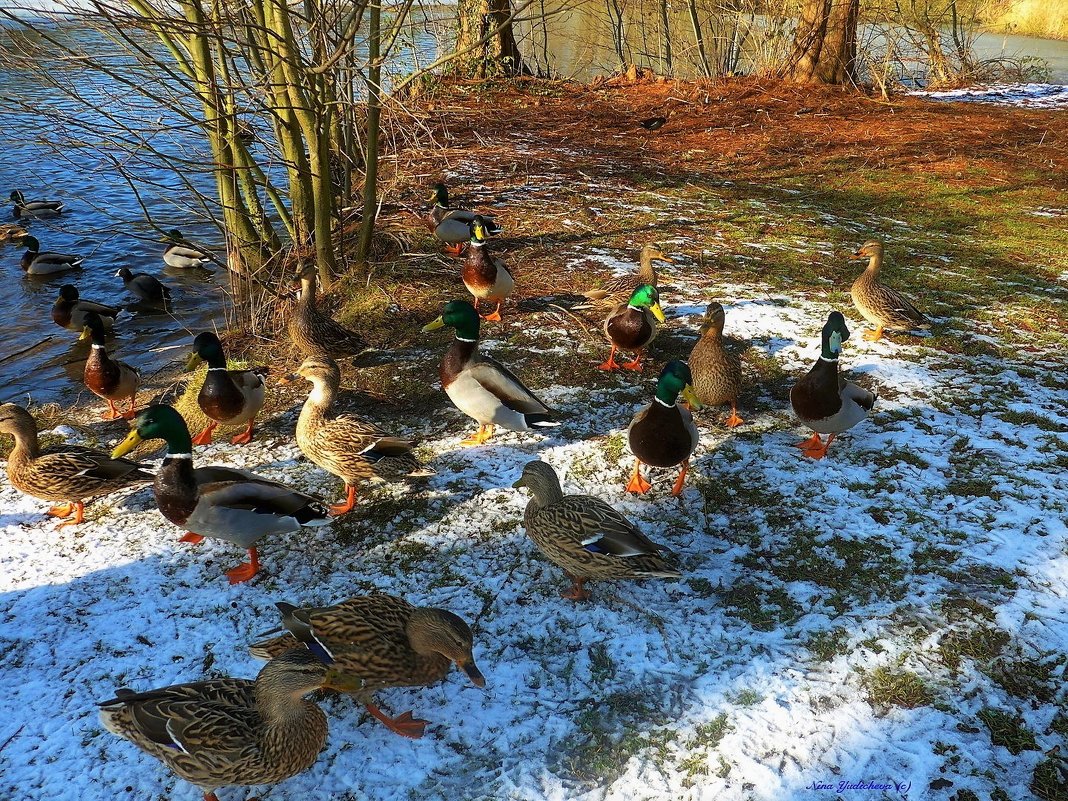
103	221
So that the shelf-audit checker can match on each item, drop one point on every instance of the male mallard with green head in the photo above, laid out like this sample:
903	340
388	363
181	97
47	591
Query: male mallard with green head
485	276
883	307
663	433
823	400
70	309
343	444
453	226
180	254
230	397
108	378
69	474
36	262
34	209
228	731
631	326
378	641
717	373
218	502
481	387
585	536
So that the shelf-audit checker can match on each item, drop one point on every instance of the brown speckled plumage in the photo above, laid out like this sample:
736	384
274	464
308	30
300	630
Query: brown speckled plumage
717	373
313	332
879	304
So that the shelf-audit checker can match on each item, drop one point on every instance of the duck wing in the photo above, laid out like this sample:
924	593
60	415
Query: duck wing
597	527
265	497
496	379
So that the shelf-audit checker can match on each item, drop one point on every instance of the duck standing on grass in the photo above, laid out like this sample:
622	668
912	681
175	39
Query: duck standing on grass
585	536
619	289
313	332
70	309
883	307
108	378
453	226
34	209
822	399
228	731
68	473
631	326
480	386
218	502
230	397
485	276
378	641
343	444
717	373
663	434
35	262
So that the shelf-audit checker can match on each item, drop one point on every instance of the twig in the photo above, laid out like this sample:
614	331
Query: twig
7	742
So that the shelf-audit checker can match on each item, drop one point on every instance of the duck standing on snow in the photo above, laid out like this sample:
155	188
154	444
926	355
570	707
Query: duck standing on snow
453	226
180	254
883	307
485	276
823	400
343	444
585	536
631	326
218	502
69	310
68	473
481	387
717	373
146	287
36	262
108	378
229	731
379	641
619	289
663	434
34	209
313	332
230	397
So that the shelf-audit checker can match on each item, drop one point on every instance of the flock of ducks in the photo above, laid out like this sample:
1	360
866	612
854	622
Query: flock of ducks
241	732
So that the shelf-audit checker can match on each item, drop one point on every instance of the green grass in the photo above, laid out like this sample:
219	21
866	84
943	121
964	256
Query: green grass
1007	730
888	687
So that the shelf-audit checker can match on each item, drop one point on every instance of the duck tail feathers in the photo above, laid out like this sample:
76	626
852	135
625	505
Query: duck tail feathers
539	421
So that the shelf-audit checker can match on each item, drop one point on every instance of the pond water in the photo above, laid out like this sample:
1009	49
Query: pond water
104	220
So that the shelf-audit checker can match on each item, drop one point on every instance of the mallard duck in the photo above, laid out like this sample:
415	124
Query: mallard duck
218	502
146	287
655	123
585	536
34	209
481	387
108	378
717	373
883	307
343	444
485	276
34	262
69	474
453	226
230	397
70	309
229	731
632	326
313	332
9	232
379	641
181	255
823	400
663	434
618	290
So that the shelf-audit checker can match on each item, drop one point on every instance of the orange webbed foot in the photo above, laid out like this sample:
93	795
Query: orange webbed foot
637	484
61	510
492	318
608	365
812	442
191	538
242	572
205	436
680	482
576	592
112	413
635	365
346	505
454	249
480	437
79	516
874	336
405	725
733	421
244	437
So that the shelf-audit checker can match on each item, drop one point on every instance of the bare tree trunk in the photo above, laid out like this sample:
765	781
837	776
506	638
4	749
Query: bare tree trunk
825	47
501	53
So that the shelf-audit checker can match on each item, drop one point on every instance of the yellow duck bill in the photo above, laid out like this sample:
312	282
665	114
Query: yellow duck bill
433	326
690	397
658	313
133	439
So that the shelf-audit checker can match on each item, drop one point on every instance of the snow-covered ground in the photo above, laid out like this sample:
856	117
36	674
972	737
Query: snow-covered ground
874	617
1032	95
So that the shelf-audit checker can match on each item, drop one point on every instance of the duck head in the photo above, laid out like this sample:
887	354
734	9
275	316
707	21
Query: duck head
157	422
676	380
834	334
458	314
646	297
